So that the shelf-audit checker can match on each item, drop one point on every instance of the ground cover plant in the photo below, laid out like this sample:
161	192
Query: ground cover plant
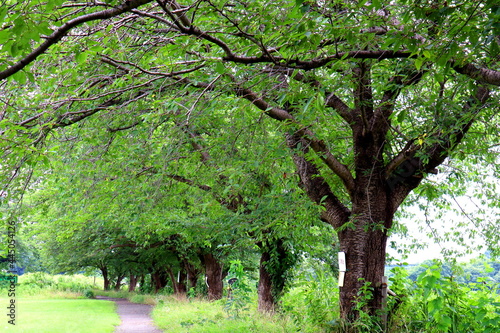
201	316
439	300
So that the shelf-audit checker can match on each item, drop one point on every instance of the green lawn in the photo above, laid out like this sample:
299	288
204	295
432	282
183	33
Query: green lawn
61	316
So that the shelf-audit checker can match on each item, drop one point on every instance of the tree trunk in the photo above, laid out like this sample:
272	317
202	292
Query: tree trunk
265	287
365	262
132	282
362	230
107	282
213	271
178	282
158	280
192	274
118	283
273	273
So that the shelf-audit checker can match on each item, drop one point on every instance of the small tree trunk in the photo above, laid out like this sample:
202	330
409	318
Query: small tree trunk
178	283
132	282
118	283
213	271
192	274
107	282
265	287
158	280
273	273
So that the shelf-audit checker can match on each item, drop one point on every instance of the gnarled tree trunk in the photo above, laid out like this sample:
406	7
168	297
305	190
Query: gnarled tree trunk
265	288
214	276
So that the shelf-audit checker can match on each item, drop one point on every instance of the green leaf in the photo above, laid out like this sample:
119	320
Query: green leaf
418	63
219	68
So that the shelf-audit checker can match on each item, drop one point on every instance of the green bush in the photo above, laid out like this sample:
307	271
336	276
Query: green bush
88	293
312	301
437	303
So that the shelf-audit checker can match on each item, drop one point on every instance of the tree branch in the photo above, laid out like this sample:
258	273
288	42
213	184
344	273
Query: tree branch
317	145
483	75
407	169
189	182
315	185
59	33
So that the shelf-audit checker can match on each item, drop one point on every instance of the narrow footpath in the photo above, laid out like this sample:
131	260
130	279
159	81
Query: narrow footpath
135	317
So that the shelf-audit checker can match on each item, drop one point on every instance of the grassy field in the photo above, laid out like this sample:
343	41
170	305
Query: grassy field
56	304
61	316
200	316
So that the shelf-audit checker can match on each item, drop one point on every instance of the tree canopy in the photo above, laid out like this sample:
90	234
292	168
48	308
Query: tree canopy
357	102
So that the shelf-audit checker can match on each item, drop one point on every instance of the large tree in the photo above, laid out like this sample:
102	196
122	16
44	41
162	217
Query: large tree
369	98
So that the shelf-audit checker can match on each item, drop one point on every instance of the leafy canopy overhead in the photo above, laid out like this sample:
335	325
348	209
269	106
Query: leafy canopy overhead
410	79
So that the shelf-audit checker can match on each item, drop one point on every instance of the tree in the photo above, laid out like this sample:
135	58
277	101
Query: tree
369	98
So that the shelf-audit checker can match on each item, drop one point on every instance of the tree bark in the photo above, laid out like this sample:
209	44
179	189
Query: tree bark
265	288
158	280
364	243
118	283
178	282
362	230
132	282
214	275
192	274
275	262
107	282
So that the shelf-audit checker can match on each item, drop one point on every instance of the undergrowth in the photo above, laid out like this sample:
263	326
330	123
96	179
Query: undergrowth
434	303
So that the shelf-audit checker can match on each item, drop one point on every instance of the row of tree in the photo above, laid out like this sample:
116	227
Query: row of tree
280	113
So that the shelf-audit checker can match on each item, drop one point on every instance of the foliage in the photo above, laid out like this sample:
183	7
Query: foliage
143	107
312	300
88	294
439	303
238	290
464	272
197	315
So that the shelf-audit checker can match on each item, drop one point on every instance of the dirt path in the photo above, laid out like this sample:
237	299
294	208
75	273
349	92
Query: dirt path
135	317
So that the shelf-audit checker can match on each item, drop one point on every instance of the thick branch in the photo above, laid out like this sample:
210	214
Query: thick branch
189	182
319	62
338	105
483	75
315	185
317	145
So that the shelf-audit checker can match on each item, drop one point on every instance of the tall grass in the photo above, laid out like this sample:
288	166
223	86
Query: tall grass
41	284
202	316
433	304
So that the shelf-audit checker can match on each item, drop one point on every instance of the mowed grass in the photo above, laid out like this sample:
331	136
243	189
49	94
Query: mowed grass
61	316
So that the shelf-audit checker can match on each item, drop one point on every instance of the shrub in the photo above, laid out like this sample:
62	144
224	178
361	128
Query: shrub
88	293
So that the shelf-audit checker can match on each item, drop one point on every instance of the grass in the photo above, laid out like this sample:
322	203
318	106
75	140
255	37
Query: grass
62	316
200	316
56	304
